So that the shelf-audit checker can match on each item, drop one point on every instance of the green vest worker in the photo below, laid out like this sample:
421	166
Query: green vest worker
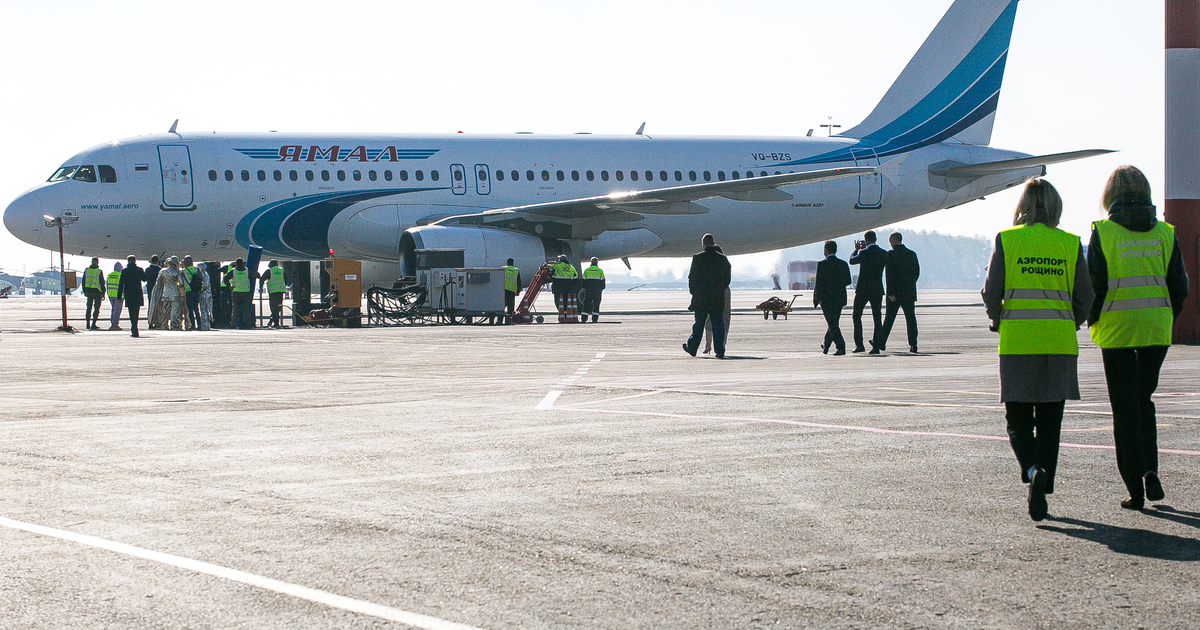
94	286
1138	274
562	274
512	284
114	279
276	281
593	289
93	278
1037	294
241	281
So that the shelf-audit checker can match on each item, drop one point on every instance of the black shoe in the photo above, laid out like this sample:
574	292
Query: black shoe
874	348
859	349
1154	491
912	349
839	352
720	356
1133	504
1037	494
688	350
824	348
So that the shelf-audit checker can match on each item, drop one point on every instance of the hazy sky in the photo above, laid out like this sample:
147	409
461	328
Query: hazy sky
1080	75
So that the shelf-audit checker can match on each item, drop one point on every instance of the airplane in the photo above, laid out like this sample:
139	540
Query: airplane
380	198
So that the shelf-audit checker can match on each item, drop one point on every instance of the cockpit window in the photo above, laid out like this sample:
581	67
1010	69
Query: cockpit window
86	173
108	174
62	174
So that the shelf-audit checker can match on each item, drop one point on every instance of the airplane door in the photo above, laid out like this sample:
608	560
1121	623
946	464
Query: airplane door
176	163
458	179
483	179
870	187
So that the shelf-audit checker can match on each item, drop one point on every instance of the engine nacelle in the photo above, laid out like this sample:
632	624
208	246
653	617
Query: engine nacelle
482	247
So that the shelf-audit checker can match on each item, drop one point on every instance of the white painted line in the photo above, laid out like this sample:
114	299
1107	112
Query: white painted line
548	401
326	598
599	355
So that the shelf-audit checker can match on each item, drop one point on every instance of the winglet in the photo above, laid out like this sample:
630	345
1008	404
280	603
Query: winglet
641	129
173	126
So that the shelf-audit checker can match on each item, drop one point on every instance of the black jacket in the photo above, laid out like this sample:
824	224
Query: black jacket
871	262
708	279
151	276
833	276
1138	216
130	286
903	269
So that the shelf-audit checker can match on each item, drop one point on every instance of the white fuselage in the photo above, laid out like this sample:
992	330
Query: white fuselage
299	196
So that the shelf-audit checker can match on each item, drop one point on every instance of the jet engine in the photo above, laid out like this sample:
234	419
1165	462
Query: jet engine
482	247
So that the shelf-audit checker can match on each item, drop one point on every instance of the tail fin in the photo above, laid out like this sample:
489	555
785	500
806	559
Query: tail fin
951	88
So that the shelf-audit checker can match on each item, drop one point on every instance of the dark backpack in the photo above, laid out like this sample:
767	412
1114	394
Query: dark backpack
195	283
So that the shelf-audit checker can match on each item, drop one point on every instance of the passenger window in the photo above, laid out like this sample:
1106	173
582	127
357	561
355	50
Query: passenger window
633	175
324	176
778	173
245	176
86	173
499	175
308	175
591	177
721	175
371	175
420	176
649	176
228	175
662	176
529	175
707	176
560	176
545	176
341	176
574	176
293	175
357	175
387	175
692	175
735	174
108	174
458	176
763	174
435	175
65	173
620	176
749	174
604	176
403	176
278	176
482	175
212	176
678	176
516	177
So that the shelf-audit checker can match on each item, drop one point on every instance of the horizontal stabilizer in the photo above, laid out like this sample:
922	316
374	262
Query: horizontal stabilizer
975	171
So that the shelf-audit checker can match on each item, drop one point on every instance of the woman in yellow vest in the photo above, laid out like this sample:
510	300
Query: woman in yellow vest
1037	295
1138	274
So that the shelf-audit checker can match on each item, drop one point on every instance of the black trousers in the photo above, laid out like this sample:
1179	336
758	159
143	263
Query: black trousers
1033	431
276	302
1132	376
91	312
717	317
133	317
910	321
242	310
860	302
833	331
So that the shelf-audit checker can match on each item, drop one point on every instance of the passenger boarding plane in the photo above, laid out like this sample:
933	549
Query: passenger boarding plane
532	197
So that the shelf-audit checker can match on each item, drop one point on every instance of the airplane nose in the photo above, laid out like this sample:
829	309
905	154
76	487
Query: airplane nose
23	219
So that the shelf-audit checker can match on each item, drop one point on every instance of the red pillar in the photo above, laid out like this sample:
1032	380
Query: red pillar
1183	150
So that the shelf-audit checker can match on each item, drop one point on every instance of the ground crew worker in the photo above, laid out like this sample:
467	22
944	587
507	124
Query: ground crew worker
563	277
114	281
593	286
512	284
1037	294
240	283
192	285
275	280
1138	274
94	285
225	296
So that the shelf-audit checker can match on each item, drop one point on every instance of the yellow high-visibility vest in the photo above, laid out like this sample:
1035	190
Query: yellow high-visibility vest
1039	277
510	279
241	281
114	280
1137	307
93	278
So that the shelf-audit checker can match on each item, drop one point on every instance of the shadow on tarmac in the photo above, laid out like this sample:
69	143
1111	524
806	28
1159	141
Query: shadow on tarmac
1135	542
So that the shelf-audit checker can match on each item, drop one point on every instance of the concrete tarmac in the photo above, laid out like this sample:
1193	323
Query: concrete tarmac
568	476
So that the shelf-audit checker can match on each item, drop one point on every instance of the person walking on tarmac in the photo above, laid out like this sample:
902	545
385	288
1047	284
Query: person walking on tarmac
114	282
151	272
1138	274
563	276
512	284
241	283
829	294
1037	295
707	280
871	259
130	290
276	281
903	269
593	288
94	285
192	284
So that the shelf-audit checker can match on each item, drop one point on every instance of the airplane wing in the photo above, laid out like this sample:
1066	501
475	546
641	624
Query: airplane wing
634	205
975	171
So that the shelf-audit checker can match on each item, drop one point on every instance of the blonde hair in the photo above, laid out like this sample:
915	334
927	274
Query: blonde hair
1040	203
1124	181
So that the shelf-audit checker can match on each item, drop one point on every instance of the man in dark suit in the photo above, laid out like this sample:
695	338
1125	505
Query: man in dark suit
833	275
707	281
130	289
871	260
902	273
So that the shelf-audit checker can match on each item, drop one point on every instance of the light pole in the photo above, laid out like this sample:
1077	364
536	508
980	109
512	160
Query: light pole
58	222
831	126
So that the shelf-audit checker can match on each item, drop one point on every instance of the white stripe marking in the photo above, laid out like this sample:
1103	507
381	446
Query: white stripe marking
326	598
548	401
